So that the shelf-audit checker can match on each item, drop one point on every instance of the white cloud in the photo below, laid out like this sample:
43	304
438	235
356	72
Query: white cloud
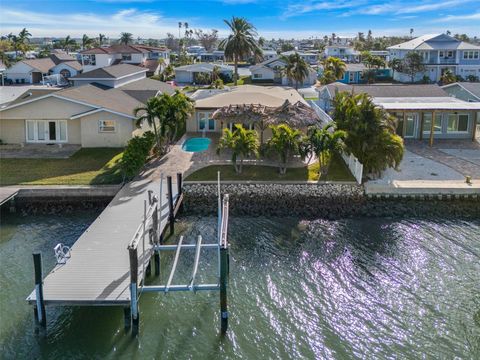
310	6
143	24
451	18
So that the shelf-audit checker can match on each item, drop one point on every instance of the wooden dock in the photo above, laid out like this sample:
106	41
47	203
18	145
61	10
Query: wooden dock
98	271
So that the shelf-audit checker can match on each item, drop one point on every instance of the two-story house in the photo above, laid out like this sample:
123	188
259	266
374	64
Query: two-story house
310	58
140	55
440	52
343	52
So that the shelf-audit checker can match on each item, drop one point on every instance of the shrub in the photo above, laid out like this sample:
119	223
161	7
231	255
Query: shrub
136	154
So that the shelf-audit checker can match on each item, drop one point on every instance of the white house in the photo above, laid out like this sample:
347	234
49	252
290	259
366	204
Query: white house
440	52
187	74
34	71
343	52
310	58
271	71
140	55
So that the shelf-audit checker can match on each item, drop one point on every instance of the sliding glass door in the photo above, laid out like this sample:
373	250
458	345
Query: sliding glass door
46	131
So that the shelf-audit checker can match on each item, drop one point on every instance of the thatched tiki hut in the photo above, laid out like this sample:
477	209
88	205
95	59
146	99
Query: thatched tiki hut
260	117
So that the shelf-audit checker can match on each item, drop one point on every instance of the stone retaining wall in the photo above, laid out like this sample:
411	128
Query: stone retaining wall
320	201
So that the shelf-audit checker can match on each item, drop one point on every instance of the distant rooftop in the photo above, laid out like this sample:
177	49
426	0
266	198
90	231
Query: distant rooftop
110	72
390	90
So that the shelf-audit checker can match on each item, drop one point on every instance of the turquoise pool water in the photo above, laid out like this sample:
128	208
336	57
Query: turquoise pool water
196	144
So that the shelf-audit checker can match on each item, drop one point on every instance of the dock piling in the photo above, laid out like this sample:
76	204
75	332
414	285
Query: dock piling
171	216
39	308
134	287
179	188
223	289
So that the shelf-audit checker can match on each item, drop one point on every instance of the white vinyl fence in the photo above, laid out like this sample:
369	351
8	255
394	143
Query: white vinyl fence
324	117
355	166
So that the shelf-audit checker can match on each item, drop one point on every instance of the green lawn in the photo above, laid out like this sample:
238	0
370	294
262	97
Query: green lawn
85	167
242	80
337	171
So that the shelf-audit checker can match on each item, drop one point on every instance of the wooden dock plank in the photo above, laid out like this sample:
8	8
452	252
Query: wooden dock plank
98	271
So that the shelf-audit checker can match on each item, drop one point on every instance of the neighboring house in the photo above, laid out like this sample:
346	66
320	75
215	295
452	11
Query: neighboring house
34	71
207	101
187	74
196	50
380	53
140	55
269	55
217	55
91	115
414	106
466	91
440	52
271	71
355	74
309	58
343	52
111	76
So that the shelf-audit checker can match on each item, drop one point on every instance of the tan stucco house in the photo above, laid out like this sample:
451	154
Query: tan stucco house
208	101
90	115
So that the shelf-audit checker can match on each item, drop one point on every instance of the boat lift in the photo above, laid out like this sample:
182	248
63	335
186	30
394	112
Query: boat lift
149	240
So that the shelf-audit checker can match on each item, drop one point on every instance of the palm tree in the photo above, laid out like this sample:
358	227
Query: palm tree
101	39
324	142
149	114
395	65
241	142
370	132
215	73
179	28
240	43
126	38
335	66
24	35
168	73
448	77
68	44
296	69
173	112
285	142
87	42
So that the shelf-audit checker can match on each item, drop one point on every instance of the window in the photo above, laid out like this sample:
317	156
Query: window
449	54
66	73
106	126
457	123
89	60
257	76
126	57
470	55
427	123
205	122
441	54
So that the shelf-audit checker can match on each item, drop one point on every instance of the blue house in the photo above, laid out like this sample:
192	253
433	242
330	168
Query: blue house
355	74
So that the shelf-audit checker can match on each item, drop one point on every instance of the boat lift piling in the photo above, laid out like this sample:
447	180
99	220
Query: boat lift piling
149	224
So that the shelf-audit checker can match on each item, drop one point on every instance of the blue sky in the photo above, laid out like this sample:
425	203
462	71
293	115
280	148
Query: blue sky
273	19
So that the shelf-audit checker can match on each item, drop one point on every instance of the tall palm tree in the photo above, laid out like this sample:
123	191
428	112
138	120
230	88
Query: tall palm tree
87	42
24	35
241	42
296	69
324	142
101	39
126	38
241	142
285	142
68	44
334	65
149	114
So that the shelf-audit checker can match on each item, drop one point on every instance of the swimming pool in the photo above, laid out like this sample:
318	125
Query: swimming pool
196	144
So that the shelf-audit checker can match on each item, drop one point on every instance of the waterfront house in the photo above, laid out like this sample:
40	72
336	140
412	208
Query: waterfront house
111	76
189	74
245	96
148	57
466	91
356	74
271	71
34	71
97	113
440	52
414	106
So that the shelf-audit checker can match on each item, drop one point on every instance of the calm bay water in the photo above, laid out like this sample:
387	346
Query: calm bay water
354	288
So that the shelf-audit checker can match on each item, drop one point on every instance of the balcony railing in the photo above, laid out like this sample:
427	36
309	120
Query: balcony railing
443	61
